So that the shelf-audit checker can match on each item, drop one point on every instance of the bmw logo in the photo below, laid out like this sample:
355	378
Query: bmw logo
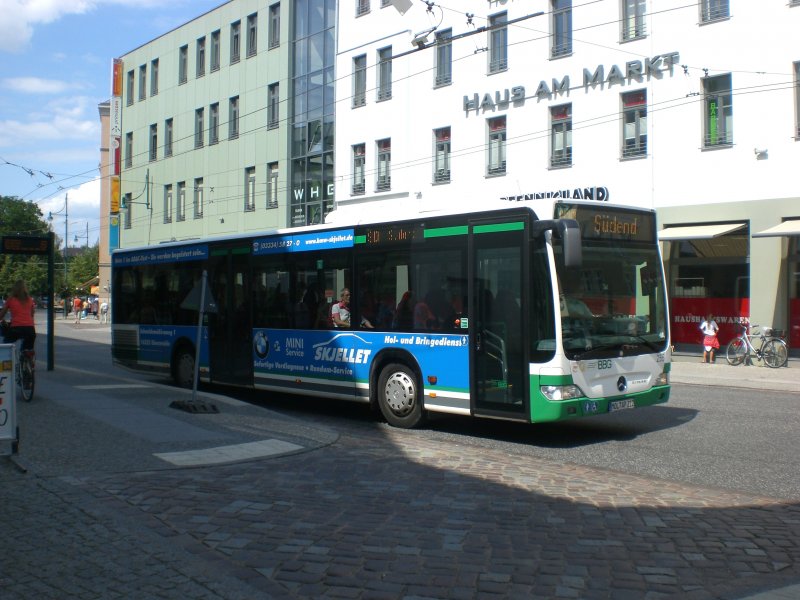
261	345
622	384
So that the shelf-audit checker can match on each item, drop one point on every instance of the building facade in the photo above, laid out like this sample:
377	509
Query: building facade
664	105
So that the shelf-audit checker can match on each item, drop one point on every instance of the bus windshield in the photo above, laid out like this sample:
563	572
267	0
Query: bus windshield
614	304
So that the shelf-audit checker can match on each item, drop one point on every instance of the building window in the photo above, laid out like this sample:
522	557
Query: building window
127	209
201	56
198	128
359	186
198	198
213	123
634	124
273	102
384	182
498	43
272	185
181	208
142	82
154	77
153	142
215	50
252	35
274	25
360	80
496	159
385	73
385	3
362	7
633	12
129	149
233	118
797	99
444	58
129	88
562	28
183	64
714	10
250	189
718	101
168	204
441	155
168	137
236	32
561	136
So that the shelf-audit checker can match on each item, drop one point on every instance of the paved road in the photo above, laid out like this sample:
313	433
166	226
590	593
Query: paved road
126	497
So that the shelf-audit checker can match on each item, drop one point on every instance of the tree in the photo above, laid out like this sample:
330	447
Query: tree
84	266
19	217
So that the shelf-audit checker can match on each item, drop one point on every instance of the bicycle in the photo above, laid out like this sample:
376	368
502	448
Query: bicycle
773	349
26	365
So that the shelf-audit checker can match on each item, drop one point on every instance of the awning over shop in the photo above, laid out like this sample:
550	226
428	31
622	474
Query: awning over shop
785	228
698	232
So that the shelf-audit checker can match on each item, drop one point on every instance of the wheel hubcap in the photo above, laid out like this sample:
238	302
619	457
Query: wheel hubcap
400	393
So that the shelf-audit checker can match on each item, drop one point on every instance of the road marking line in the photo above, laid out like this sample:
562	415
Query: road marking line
112	386
225	454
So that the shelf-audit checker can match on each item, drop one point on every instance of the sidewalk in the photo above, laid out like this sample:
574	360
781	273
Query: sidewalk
688	368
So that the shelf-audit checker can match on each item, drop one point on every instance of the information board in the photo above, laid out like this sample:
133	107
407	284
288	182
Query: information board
8	406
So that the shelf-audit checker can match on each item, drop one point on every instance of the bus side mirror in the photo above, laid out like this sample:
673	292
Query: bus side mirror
571	240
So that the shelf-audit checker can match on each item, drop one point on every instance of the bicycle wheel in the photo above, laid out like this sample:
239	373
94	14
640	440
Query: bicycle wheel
28	380
775	353
736	351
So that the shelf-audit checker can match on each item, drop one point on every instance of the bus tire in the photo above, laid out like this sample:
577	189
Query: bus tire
400	396
183	367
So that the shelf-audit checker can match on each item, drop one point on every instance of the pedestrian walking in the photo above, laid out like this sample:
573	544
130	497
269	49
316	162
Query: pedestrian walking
104	312
77	308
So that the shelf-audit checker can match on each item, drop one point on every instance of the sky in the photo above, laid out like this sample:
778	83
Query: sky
55	69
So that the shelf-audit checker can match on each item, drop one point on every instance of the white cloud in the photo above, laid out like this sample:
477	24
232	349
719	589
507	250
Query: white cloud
83	207
61	119
36	85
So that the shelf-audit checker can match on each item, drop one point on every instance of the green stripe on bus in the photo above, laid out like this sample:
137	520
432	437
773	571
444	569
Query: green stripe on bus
498	227
555	379
446	231
360	239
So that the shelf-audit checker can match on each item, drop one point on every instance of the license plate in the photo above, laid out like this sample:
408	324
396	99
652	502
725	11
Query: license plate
621	404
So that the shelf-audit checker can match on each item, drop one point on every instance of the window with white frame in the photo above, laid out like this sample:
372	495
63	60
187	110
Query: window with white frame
213	123
562	28
142	82
183	64
561	136
634	124
797	99
233	118
443	72
129	149
384	179
718	105
385	73
168	203
498	43
274	25
168	137
129	88
273	104
198	198
236	33
252	35
496	154
250	189
181	207
362	7
359	157
272	185
199	125
154	77
633	25
201	57
215	42
359	80
441	155
714	10
127	210
153	142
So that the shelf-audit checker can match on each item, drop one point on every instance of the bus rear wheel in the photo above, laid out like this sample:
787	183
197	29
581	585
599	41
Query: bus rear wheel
183	367
400	397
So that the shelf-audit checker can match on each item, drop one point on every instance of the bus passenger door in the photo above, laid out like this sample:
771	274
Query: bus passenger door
230	330
499	369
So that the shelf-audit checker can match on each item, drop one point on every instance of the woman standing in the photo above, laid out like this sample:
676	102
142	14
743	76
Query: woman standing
709	328
21	306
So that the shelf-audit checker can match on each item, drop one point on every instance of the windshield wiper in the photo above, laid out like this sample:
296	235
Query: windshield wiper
594	349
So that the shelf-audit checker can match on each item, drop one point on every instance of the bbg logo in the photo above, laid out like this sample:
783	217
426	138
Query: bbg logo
604	364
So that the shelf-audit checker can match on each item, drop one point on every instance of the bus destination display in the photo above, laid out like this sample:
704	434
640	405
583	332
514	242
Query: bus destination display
391	234
608	223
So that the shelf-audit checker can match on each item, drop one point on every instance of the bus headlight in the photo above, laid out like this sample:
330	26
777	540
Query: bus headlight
662	379
561	392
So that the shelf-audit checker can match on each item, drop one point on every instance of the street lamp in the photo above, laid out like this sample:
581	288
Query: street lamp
85	236
65	210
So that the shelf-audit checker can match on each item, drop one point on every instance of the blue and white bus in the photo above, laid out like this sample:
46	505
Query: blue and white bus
533	311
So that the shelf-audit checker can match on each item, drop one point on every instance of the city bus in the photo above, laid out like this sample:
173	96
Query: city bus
531	311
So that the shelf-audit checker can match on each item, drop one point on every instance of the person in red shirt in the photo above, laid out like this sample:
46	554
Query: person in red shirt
21	306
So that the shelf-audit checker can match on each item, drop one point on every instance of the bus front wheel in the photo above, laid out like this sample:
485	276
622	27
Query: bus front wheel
400	396
183	367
